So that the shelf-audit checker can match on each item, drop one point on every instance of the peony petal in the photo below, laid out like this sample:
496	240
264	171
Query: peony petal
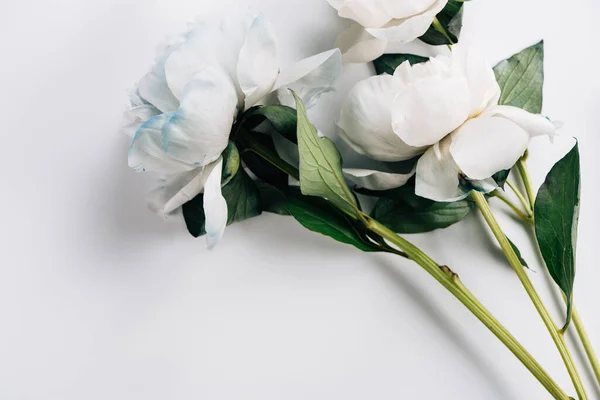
177	190
486	145
199	131
146	152
258	63
137	116
376	180
154	89
215	206
429	109
368	13
359	46
408	29
408	73
365	120
309	78
438	175
472	64
407	8
534	124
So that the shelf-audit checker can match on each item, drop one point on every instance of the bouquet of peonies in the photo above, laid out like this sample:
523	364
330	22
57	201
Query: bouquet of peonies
227	131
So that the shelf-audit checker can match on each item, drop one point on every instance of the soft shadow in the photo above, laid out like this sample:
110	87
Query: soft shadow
483	365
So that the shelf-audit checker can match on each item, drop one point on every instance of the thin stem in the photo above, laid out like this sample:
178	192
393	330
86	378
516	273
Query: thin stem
520	214
522	167
437	25
453	284
513	259
587	344
521	198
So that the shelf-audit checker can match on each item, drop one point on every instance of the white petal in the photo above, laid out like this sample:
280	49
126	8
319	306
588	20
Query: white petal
437	174
146	152
199	131
154	89
368	13
137	116
215	207
309	78
408	73
407	29
429	109
407	8
486	145
376	180
365	120
177	190
472	64
258	63
534	124
359	46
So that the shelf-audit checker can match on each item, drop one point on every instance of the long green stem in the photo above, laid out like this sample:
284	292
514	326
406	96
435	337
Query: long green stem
521	198
587	344
453	284
443	275
513	259
581	331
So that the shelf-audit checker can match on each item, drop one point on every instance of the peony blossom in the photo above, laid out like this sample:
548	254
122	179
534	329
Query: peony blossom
379	22
445	110
182	111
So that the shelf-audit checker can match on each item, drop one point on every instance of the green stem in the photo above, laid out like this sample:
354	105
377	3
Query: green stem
521	198
453	284
509	203
442	274
581	332
587	344
522	167
513	259
437	25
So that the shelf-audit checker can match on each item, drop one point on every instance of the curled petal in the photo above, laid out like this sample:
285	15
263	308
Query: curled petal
376	180
154	89
309	78
407	8
359	46
534	124
429	109
215	206
485	145
178	189
137	116
407	29
198	132
146	152
365	120
470	62
437	176
258	63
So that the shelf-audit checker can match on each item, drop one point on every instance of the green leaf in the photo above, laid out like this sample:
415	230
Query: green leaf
501	177
521	79
263	169
281	118
556	216
243	202
403	211
387	63
518	253
321	166
231	163
273	199
319	216
451	20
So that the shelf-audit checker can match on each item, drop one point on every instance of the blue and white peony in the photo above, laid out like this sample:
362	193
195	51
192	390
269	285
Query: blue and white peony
183	110
445	111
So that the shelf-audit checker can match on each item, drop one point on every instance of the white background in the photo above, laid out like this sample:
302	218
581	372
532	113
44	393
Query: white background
100	299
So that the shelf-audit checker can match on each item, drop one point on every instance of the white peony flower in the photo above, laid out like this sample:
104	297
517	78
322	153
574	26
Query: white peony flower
379	22
183	110
445	109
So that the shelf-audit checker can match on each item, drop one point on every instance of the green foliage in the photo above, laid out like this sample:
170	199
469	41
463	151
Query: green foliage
387	63
451	21
556	217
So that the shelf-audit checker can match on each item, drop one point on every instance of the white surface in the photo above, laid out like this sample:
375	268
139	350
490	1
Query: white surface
99	299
